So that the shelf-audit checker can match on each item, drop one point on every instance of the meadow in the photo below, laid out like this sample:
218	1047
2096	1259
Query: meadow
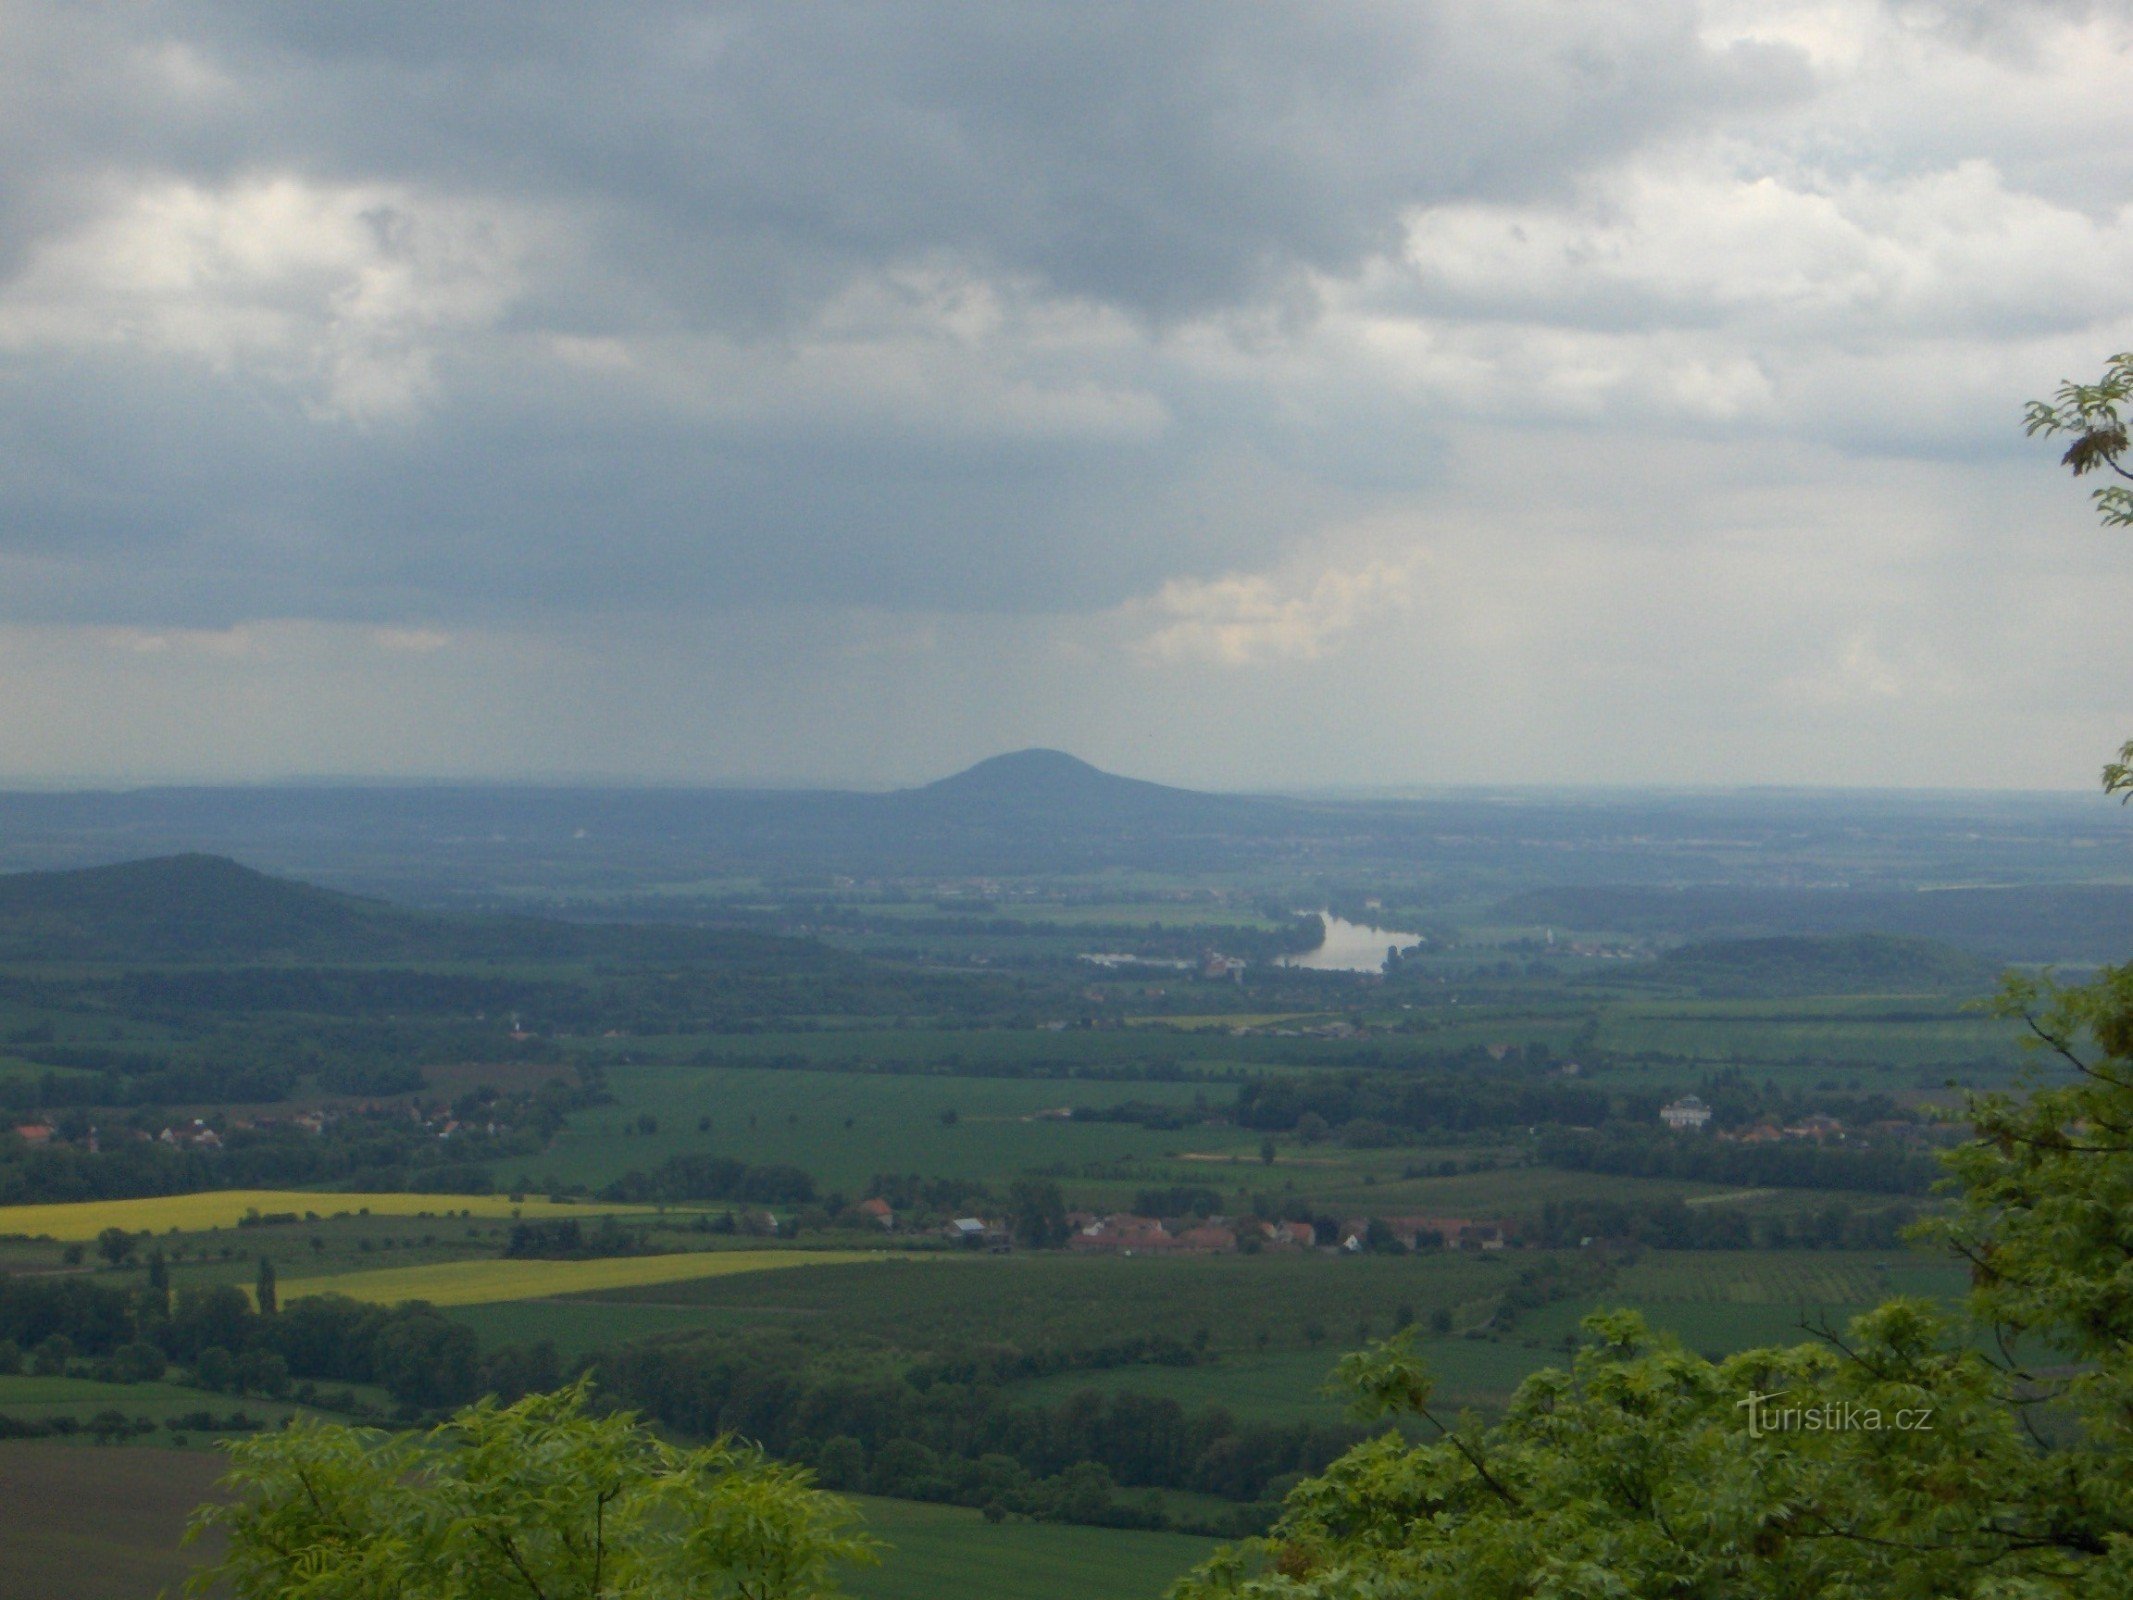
476	1283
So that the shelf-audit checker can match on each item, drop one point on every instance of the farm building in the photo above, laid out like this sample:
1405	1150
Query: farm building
1685	1113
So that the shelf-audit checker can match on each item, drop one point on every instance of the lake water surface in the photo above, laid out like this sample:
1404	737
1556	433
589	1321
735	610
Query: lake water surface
1351	947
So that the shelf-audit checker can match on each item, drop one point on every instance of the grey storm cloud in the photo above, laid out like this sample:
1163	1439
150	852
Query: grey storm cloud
1158	157
410	311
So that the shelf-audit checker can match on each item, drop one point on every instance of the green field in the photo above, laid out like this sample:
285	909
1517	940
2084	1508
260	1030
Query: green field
844	1127
1066	1301
948	1553
39	1399
1876	1036
575	1327
476	1283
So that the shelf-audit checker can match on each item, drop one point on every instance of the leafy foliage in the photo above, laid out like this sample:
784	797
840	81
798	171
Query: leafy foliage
542	1499
2093	415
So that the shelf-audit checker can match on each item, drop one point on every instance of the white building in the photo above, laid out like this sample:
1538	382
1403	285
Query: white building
1687	1112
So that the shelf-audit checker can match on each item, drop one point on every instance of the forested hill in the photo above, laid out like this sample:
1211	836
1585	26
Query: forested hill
1863	963
205	908
2016	922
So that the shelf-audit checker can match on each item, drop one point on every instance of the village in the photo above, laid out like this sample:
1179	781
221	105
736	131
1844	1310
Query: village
1130	1234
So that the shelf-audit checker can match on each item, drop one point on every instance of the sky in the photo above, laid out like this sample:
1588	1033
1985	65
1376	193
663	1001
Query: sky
1441	392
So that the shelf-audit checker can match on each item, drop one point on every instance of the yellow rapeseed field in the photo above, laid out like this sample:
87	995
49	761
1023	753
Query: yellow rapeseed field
224	1208
477	1283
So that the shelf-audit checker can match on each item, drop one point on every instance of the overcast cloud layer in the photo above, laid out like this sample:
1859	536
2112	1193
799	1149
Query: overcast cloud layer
1430	392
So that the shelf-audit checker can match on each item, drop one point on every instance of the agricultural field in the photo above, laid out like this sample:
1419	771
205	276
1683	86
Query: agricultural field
478	1283
227	1208
1298	1302
1812	1040
948	1553
579	1326
844	1127
99	1524
935	1030
40	1399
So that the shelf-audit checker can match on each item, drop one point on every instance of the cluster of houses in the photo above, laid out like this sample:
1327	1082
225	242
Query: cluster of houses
1690	1114
1813	1126
1128	1235
193	1135
196	1134
1125	1234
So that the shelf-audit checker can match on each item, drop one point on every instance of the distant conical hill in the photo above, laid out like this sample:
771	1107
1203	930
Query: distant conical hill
1052	780
1030	772
1048	809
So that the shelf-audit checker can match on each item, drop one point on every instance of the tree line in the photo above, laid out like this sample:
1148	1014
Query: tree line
1642	1152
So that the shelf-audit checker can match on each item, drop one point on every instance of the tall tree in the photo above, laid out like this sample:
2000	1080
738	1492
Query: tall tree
1036	1213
